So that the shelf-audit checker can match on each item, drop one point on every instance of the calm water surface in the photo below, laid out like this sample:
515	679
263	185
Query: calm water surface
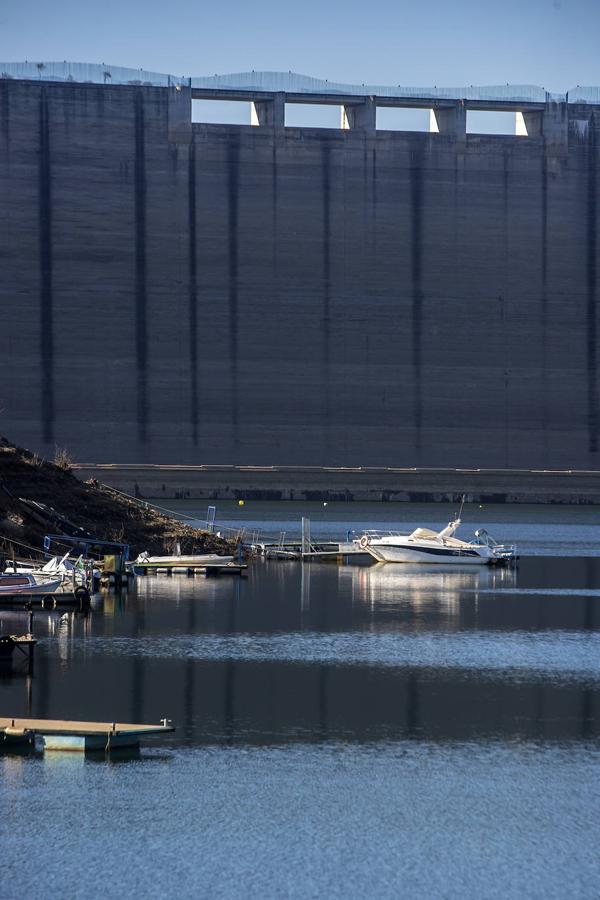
342	731
537	530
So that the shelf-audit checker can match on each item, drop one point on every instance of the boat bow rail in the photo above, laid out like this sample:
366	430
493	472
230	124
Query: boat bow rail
373	534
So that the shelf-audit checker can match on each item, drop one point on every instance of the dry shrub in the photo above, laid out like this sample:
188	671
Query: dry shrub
62	458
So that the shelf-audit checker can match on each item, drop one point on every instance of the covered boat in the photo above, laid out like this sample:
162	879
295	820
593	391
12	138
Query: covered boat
145	562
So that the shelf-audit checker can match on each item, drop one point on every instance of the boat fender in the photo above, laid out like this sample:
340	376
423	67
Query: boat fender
364	541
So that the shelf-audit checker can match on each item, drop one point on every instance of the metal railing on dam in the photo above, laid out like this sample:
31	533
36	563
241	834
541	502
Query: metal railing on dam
291	83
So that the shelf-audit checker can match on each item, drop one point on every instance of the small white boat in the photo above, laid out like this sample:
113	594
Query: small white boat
144	562
437	547
28	584
57	567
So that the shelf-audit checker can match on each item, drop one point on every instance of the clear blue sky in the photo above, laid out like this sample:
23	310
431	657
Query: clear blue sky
552	43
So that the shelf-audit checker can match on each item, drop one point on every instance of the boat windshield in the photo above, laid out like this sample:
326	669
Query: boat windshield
423	534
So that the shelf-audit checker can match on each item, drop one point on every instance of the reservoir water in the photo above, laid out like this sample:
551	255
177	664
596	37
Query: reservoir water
342	730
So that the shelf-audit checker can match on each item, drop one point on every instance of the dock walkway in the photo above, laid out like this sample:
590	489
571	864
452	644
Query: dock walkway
59	734
79	598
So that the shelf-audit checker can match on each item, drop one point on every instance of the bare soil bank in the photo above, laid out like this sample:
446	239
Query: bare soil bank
39	497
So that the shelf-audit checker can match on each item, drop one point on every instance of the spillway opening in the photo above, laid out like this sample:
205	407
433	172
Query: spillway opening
221	112
312	115
484	122
399	118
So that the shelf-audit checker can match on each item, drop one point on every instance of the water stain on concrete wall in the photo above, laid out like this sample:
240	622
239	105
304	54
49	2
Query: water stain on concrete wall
233	179
141	324
193	292
45	264
591	284
416	264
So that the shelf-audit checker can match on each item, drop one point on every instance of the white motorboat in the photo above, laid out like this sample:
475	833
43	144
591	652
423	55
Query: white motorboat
28	584
437	547
145	563
57	567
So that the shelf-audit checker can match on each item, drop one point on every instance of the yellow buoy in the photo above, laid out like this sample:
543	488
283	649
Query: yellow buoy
241	502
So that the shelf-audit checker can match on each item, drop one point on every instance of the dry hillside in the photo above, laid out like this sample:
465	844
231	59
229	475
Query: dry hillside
39	497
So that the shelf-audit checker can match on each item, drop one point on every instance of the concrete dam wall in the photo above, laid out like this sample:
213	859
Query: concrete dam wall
183	293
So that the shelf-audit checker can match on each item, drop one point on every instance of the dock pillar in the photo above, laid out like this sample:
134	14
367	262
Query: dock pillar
305	536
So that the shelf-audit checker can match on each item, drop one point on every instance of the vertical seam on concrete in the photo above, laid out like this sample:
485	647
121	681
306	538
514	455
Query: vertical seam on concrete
46	287
506	294
5	114
141	325
591	278
326	342
233	177
193	291
544	309
416	203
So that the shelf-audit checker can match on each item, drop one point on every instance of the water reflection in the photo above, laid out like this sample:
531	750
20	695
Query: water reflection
320	652
391	579
423	586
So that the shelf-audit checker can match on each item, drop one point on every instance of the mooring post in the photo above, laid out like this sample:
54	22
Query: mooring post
305	536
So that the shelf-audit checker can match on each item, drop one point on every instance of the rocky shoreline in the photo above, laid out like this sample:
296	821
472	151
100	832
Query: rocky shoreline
38	497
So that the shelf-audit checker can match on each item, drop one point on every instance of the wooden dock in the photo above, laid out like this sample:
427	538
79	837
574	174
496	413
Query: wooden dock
58	734
24	644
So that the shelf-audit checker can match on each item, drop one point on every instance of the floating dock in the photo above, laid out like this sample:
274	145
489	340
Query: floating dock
79	598
213	569
24	644
306	548
334	550
81	737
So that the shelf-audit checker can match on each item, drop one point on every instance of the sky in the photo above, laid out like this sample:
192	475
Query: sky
550	43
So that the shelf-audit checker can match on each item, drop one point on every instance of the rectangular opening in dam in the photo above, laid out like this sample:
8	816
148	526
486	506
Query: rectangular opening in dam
399	118
484	122
312	115
221	112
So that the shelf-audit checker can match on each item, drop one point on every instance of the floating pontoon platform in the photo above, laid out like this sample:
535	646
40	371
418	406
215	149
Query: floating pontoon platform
213	569
24	644
60	734
80	598
335	550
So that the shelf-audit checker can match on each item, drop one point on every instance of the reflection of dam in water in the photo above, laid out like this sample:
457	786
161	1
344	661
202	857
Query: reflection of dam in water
273	295
315	652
